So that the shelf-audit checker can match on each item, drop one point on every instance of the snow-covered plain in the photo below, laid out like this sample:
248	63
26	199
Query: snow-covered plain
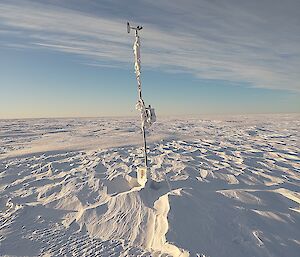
66	187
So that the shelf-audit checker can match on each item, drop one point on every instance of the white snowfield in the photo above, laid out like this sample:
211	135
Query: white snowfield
66	187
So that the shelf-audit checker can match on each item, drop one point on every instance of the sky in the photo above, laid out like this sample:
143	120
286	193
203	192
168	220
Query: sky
63	58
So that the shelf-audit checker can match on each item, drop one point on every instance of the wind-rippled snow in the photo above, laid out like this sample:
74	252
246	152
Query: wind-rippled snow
66	187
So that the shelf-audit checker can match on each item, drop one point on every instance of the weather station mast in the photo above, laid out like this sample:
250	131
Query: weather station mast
148	116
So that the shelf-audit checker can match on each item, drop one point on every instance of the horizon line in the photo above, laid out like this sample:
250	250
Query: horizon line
162	115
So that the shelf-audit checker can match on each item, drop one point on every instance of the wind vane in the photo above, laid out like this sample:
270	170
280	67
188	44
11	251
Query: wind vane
148	116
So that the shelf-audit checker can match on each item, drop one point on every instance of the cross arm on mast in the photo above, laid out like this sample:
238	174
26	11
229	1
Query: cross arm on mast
134	28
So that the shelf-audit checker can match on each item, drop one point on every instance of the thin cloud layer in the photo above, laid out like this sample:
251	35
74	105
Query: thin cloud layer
256	43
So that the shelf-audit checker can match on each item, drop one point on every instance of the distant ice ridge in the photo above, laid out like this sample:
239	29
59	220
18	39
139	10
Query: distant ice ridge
66	187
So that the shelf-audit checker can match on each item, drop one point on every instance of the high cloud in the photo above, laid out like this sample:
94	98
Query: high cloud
255	42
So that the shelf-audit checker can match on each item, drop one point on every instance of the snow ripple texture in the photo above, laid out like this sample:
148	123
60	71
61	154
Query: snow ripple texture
66	187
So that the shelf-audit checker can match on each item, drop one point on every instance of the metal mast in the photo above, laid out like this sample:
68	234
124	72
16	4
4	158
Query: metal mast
147	113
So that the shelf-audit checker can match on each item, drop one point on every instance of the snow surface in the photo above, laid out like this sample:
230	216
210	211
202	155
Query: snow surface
67	187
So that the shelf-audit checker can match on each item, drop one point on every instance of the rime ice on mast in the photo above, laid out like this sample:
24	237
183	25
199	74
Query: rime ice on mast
148	116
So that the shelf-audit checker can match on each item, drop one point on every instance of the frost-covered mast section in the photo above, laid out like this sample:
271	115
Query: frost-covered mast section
147	113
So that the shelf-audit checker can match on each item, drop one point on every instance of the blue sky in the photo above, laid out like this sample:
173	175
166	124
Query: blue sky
74	58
